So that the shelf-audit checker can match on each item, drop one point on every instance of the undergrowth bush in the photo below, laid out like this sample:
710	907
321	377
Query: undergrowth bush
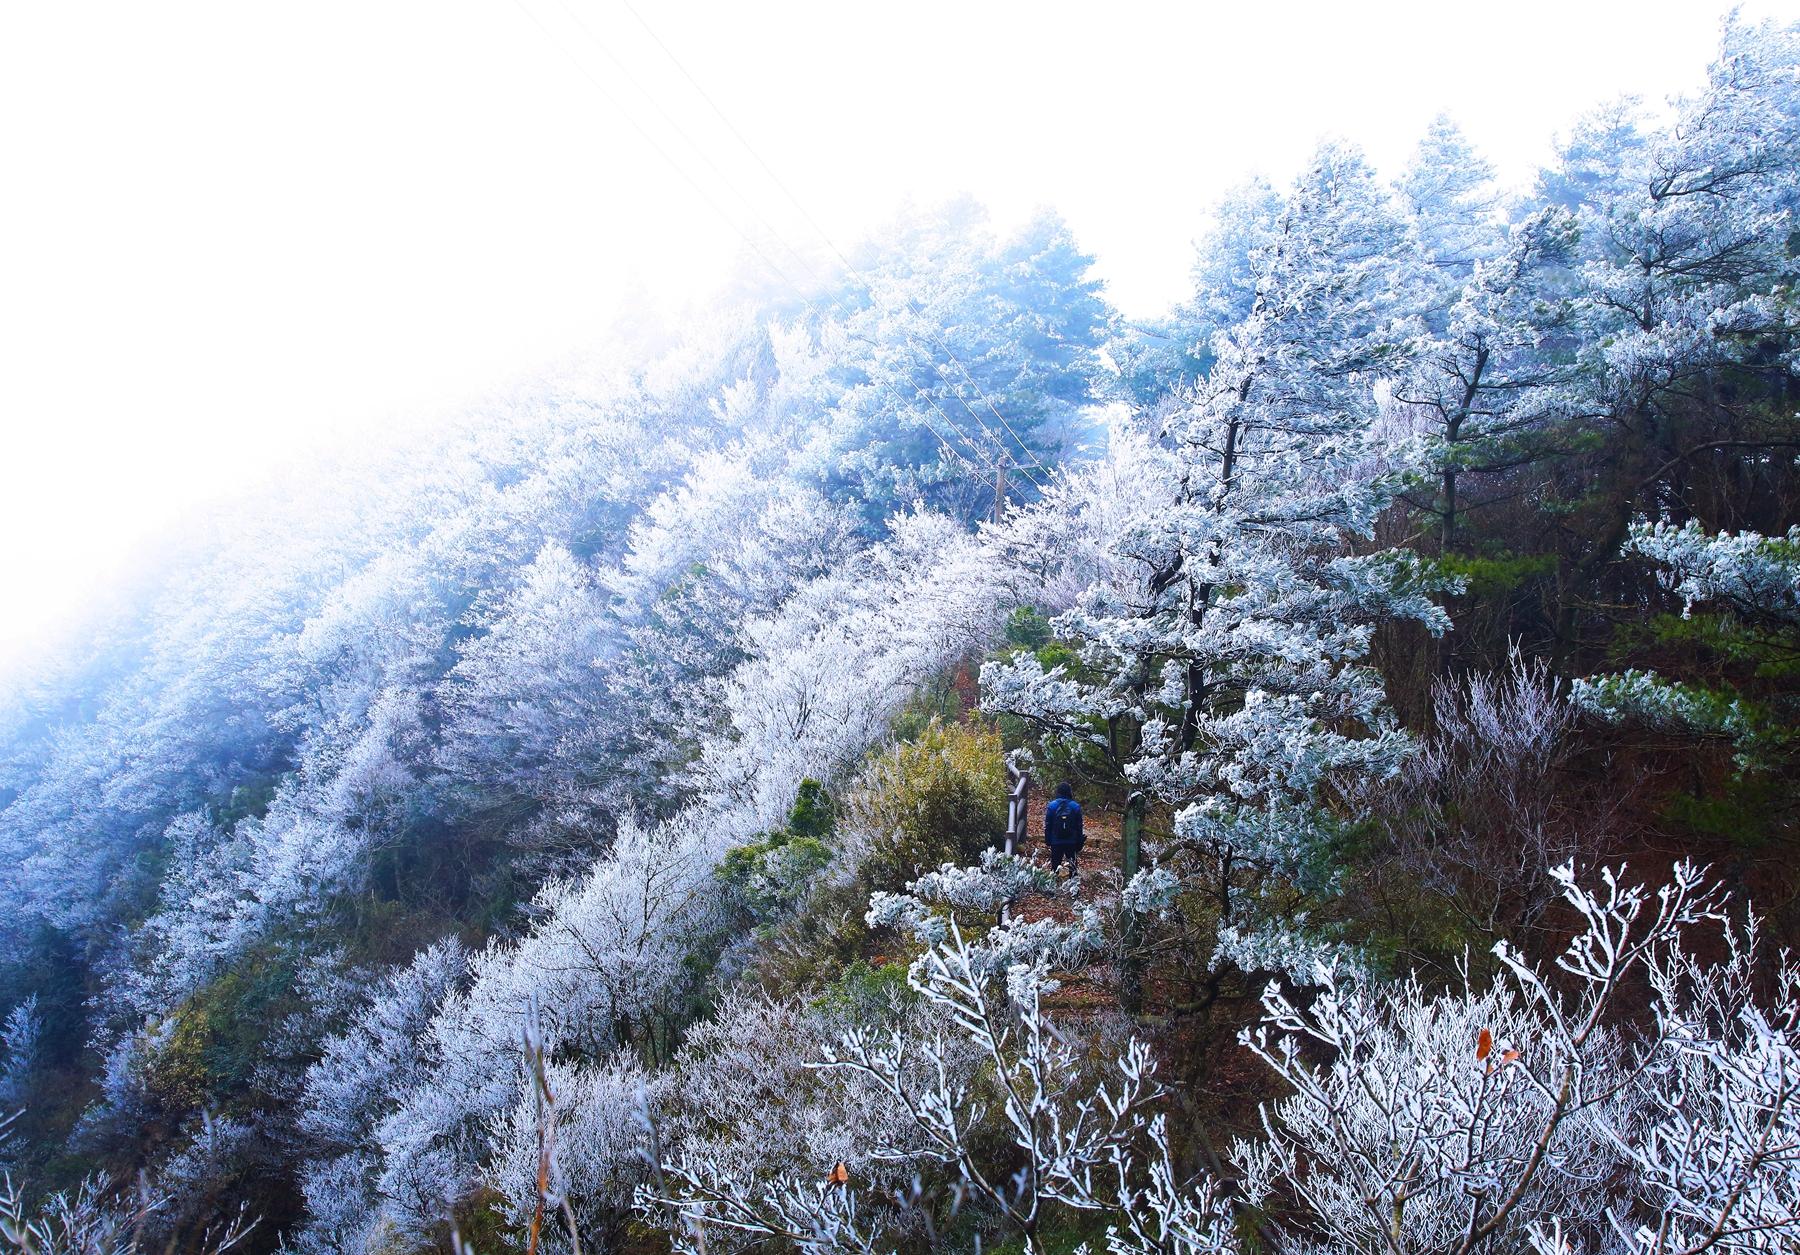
938	799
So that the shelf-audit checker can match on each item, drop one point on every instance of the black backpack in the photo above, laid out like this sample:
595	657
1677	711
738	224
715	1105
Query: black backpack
1062	823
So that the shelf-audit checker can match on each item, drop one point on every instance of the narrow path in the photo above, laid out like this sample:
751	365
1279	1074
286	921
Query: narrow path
1101	860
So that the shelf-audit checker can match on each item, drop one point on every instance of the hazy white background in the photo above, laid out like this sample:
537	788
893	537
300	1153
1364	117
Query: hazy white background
233	232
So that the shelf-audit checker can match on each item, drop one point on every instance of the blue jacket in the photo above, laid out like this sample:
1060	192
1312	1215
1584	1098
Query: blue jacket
1062	823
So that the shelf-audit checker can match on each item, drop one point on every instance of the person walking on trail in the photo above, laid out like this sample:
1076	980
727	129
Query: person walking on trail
1062	829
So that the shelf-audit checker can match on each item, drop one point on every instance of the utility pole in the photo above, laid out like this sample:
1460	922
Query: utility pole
1000	486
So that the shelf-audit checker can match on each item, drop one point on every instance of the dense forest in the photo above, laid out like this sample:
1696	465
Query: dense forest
583	830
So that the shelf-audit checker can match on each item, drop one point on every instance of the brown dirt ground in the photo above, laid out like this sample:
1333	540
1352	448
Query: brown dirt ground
1101	879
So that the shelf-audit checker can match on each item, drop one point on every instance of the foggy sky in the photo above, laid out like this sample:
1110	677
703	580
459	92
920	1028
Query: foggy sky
234	233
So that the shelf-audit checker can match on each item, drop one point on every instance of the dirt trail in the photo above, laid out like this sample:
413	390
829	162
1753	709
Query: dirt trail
1101	860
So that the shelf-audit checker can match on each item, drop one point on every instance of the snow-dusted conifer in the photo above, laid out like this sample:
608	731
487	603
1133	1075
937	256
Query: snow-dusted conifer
1224	663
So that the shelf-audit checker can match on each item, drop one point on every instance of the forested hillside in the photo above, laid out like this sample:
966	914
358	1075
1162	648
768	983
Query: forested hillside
584	830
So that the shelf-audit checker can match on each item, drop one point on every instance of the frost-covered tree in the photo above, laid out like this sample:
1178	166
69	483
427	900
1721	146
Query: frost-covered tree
1160	357
21	1036
731	544
1684	271
605	966
573	1145
1488	385
961	353
526	684
1222	666
745	1095
363	1075
829	671
1451	203
1748	588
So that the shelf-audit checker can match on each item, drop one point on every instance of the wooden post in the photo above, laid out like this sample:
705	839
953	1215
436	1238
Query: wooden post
1134	836
1018	818
1018	815
1131	978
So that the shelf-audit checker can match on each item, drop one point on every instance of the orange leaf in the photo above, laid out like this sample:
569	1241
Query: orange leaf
1511	1056
1484	1044
840	1175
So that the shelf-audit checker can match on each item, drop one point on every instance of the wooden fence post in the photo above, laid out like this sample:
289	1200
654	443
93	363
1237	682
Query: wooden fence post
1131	977
1018	815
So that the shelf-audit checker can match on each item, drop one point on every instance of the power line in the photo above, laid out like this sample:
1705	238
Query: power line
699	151
810	221
660	150
830	243
730	221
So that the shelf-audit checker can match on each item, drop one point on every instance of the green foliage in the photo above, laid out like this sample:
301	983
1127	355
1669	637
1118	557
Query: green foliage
1738	813
1722	673
946	698
483	1225
219	1035
864	994
1764	735
815	945
1065	1232
1027	628
938	799
1492	575
813	813
176	1079
250	800
1712	637
770	875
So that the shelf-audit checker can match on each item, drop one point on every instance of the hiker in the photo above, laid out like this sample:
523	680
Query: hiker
1062	829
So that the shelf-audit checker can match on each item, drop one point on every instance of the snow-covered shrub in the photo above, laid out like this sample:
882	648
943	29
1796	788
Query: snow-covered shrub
1528	1112
745	1095
1523	1111
586	1123
1489	804
992	1067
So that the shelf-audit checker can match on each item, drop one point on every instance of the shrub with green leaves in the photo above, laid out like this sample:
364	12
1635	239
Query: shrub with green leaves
771	875
938	799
